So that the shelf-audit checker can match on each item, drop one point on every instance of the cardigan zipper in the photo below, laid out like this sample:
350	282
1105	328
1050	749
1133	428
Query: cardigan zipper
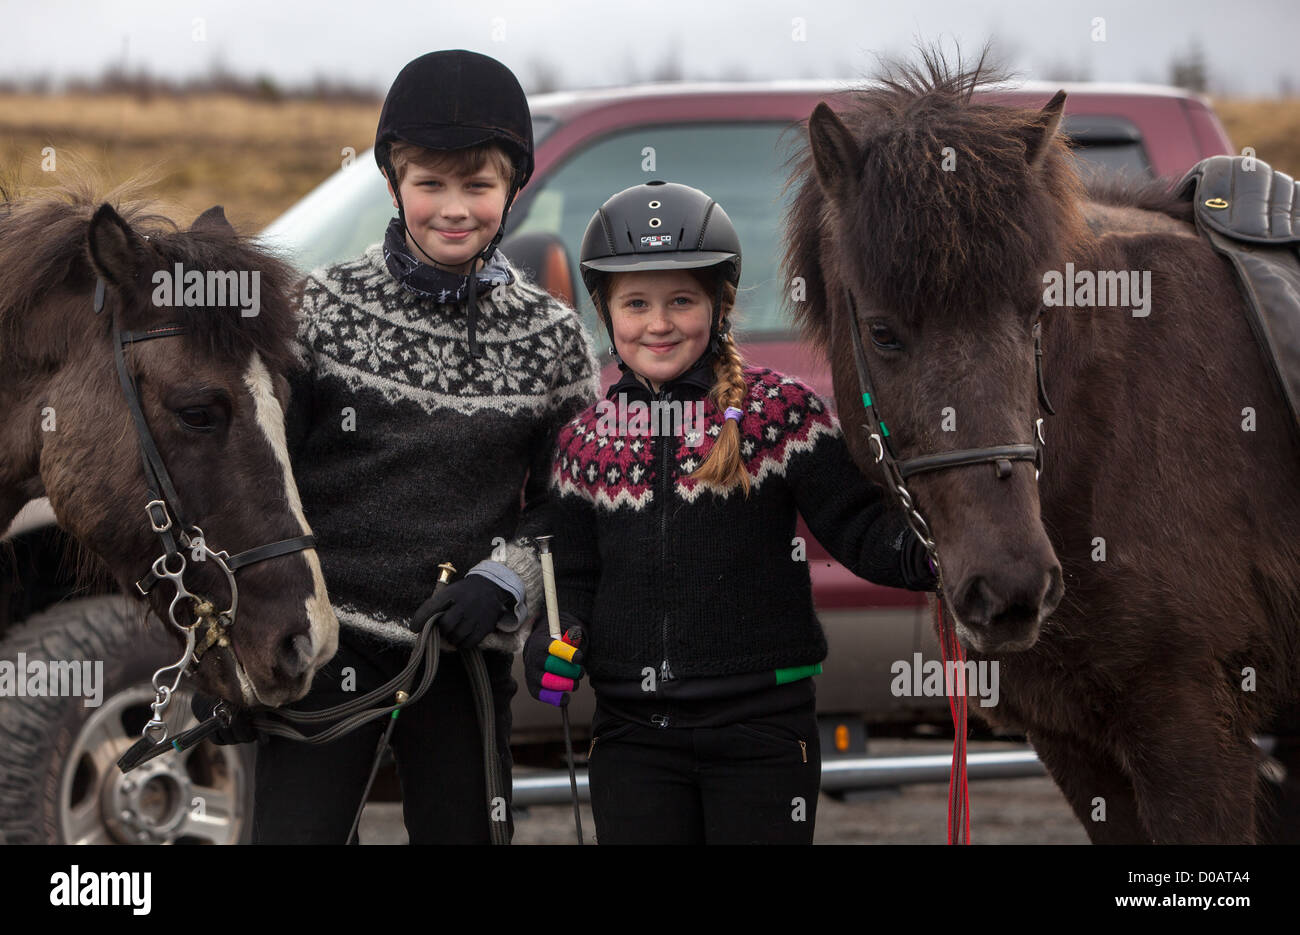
665	671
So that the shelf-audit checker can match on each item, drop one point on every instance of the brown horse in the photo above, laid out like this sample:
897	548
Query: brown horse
1142	598
212	397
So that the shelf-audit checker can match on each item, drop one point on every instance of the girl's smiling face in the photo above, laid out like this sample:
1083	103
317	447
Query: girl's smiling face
452	216
661	321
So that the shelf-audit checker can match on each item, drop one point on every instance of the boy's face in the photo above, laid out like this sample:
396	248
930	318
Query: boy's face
661	321
452	216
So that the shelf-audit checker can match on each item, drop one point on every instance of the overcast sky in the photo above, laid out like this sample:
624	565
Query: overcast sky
1249	45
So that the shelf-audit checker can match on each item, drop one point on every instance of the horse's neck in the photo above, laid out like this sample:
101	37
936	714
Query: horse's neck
1086	367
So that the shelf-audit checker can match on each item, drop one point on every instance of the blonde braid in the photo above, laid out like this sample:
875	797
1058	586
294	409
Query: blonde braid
725	465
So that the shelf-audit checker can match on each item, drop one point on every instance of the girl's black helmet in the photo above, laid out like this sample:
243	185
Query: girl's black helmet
453	100
659	225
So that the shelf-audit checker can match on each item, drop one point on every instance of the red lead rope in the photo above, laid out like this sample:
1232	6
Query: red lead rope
955	683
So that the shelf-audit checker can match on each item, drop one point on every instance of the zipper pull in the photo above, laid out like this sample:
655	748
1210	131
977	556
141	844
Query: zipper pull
665	673
659	720
803	748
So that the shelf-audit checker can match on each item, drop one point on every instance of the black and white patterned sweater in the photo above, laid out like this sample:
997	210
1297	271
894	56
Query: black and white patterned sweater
408	452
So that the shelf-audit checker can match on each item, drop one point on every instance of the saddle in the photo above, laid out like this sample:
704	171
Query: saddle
1250	213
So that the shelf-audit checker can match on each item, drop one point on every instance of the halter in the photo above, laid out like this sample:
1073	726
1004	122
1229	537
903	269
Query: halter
166	519
896	472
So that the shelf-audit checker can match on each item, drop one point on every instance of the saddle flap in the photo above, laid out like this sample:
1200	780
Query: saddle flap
1244	198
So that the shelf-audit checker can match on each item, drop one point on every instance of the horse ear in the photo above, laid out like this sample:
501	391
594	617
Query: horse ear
212	219
113	246
1043	130
836	154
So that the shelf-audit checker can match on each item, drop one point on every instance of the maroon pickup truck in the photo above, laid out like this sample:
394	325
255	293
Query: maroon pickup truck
731	140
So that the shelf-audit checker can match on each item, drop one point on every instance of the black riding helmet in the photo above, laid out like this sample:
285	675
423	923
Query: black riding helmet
661	225
456	99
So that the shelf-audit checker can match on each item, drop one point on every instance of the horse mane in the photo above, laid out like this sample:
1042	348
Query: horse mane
924	240
1147	194
43	251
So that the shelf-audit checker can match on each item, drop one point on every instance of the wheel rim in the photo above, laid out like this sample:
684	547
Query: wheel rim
190	797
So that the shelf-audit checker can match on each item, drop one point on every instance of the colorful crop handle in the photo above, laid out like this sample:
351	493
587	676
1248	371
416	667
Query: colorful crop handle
562	673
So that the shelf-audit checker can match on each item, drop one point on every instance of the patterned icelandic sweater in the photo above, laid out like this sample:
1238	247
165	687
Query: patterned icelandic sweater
670	574
408	452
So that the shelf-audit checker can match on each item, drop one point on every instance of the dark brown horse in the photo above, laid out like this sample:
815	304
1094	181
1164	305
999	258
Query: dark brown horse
213	399
1142	597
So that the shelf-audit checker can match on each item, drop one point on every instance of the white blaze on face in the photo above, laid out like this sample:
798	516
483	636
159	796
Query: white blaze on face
270	416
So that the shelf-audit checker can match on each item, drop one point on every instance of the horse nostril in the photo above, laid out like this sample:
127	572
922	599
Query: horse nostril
976	602
1007	605
295	655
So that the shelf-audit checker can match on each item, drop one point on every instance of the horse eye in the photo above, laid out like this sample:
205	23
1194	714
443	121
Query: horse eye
197	417
882	337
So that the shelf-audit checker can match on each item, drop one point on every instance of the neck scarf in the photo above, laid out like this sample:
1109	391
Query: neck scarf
434	283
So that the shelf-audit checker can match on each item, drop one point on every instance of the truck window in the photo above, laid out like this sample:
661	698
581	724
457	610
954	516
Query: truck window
742	165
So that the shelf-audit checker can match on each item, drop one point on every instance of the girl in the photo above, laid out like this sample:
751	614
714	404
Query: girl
674	507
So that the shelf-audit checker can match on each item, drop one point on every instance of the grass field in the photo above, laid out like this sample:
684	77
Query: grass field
258	157
255	158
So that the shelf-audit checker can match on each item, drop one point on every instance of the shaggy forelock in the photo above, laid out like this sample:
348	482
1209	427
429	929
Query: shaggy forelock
43	249
923	240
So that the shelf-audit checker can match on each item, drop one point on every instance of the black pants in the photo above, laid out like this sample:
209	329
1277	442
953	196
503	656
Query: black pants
751	782
306	794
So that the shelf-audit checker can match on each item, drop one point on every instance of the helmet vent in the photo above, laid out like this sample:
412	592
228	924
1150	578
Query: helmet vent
655	222
609	233
653	204
708	213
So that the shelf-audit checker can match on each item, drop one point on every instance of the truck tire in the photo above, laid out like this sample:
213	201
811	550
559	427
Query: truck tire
59	782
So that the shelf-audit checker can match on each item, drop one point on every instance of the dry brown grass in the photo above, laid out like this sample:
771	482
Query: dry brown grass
255	158
1271	127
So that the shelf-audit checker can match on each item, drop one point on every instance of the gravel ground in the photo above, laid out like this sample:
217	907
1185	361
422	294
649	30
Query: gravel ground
1003	811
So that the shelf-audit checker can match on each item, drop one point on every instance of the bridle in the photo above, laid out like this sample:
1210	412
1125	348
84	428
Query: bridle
897	471
176	536
166	519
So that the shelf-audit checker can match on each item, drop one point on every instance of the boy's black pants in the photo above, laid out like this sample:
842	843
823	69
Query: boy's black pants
751	782
308	794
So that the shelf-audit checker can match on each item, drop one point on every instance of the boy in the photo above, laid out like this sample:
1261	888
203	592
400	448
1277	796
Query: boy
435	379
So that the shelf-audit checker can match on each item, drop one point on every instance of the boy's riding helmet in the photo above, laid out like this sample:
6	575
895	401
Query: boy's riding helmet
456	99
661	225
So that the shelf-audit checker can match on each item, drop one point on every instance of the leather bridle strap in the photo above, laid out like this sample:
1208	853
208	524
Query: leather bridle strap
155	472
247	557
1001	456
165	512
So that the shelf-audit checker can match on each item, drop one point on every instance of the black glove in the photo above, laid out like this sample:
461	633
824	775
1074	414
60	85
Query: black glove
542	664
240	729
472	608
